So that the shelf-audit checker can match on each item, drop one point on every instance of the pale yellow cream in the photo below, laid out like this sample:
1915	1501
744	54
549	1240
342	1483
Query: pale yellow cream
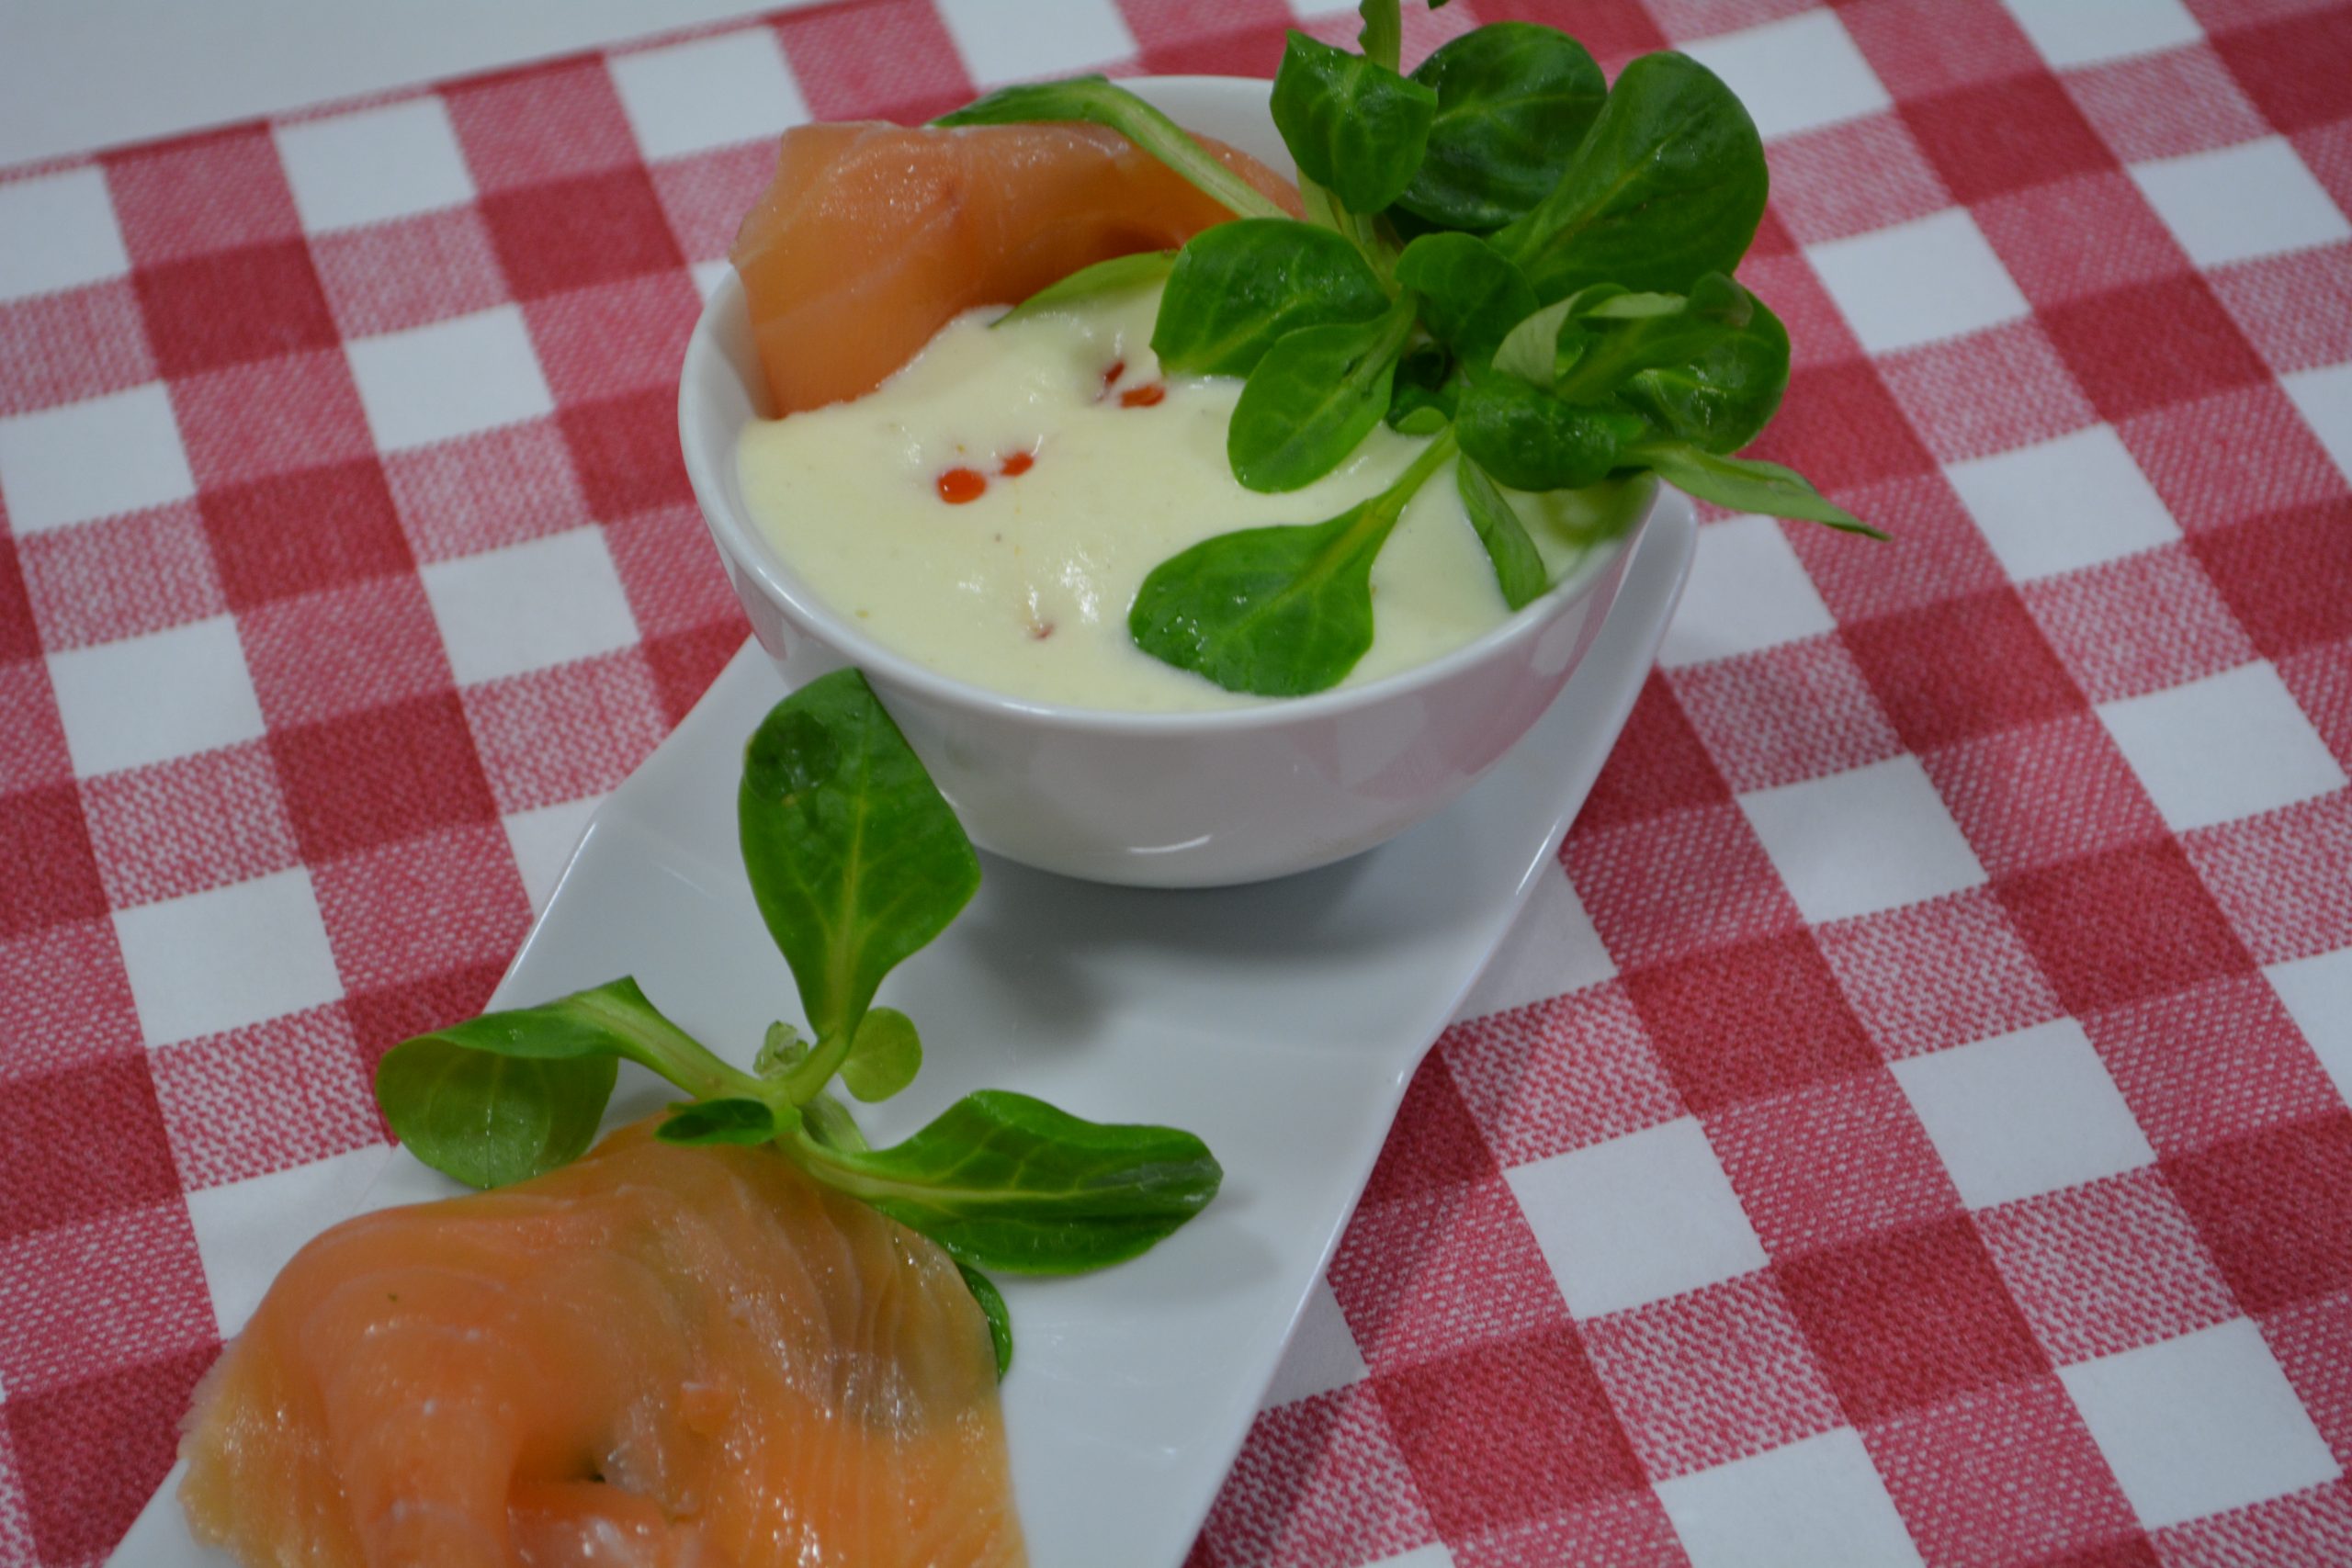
1025	590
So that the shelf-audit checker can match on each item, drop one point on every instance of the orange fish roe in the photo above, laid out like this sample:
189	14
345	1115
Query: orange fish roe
957	486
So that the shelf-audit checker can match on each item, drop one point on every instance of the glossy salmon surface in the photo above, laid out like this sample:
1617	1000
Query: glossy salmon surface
872	237
690	1358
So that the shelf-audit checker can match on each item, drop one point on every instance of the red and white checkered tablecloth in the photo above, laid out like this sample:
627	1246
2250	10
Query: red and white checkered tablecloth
1911	1126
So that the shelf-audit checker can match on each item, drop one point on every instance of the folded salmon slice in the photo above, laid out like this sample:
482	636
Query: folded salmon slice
690	1358
872	237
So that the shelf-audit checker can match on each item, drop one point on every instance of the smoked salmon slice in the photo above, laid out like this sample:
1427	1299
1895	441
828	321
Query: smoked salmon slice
872	237
690	1358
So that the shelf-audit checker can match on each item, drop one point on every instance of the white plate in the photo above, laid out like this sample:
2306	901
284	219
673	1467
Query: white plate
1280	1021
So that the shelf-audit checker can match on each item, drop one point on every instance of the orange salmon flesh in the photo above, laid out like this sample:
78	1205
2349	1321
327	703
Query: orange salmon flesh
688	1357
873	237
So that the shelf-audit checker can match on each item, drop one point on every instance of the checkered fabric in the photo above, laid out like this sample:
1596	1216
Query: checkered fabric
1911	1124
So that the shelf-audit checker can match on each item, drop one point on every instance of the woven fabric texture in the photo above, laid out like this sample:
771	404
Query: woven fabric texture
1910	1126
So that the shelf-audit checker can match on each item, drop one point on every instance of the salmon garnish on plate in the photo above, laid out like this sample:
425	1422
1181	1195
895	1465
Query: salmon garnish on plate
872	237
657	1354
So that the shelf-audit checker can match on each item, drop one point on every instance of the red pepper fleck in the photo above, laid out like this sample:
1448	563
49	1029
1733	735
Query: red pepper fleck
1040	630
957	486
1015	465
1118	367
1142	397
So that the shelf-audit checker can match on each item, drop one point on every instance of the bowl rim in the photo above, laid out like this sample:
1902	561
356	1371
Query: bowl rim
743	544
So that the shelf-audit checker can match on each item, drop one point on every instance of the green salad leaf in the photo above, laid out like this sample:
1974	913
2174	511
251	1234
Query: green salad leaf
512	1095
992	1311
1120	274
855	862
1715	380
1501	251
1471	294
720	1121
884	1057
1008	1182
488	1116
1531	350
1275	610
1313	399
854	859
1519	566
1422	396
1513	100
1239	287
1355	126
1529	439
1666	186
1279	611
1746	484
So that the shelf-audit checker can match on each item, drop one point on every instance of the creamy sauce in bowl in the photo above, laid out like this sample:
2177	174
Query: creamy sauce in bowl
990	510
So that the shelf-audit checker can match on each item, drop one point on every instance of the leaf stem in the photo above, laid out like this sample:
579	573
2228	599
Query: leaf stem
827	1123
1322	208
1097	101
656	1042
1430	459
801	1085
838	1170
1381	515
1381	38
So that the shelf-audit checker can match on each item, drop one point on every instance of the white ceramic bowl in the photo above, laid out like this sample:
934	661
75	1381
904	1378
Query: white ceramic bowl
1159	800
